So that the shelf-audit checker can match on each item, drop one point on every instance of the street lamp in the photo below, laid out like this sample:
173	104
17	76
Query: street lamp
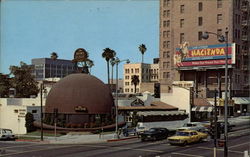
116	61
42	90
224	38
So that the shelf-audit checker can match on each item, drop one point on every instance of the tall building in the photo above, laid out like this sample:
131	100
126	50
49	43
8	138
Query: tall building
49	68
147	74
186	56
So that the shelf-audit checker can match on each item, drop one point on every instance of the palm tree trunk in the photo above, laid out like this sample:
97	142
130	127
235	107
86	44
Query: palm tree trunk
108	71
135	88
112	72
142	58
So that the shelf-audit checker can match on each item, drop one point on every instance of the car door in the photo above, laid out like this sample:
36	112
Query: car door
194	136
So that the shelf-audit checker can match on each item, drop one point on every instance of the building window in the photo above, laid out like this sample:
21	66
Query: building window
181	23
168	44
34	111
219	18
126	77
132	70
166	74
219	3
168	23
164	13
168	13
199	35
164	44
219	31
164	34
168	34
182	9
235	33
137	70
200	21
239	19
131	90
200	6
182	38
166	54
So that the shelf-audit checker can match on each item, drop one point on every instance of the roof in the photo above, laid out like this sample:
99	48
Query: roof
155	105
241	100
79	93
201	102
162	113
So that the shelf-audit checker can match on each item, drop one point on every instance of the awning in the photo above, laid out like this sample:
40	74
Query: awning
202	108
241	100
161	113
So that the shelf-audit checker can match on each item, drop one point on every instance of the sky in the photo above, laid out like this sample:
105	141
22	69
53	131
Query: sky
36	28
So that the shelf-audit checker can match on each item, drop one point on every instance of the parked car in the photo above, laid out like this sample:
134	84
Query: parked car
221	126
155	134
187	136
128	131
193	126
6	134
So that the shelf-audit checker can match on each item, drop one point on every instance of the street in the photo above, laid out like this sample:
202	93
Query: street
133	147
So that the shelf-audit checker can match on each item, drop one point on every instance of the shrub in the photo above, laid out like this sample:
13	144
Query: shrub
29	122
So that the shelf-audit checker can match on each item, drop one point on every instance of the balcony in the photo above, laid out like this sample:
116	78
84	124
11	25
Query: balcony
244	38
244	8
244	23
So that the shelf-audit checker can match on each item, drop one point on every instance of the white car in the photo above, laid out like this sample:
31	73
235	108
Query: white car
193	126
6	134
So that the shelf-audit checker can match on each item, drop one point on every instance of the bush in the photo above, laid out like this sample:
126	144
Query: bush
29	122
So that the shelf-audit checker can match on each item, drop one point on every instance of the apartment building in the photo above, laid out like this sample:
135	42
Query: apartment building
182	24
49	68
147	74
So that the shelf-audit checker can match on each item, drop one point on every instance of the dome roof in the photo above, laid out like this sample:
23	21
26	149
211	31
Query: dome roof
79	93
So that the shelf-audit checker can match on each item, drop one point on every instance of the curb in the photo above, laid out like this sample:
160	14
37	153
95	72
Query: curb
38	141
121	139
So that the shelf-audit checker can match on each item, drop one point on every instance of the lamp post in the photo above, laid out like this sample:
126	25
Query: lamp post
116	61
224	38
42	90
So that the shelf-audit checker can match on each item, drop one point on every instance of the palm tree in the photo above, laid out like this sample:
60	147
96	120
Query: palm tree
135	80
142	49
108	54
112	64
54	57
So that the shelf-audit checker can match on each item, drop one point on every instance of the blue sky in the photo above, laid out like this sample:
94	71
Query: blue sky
35	28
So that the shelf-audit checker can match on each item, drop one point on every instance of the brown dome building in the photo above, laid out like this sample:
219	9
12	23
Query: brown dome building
80	99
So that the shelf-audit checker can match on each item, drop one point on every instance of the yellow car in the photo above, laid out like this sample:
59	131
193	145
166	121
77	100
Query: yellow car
187	136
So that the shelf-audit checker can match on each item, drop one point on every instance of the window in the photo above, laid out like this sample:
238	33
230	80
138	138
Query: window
166	65
219	31
132	70
168	23
168	44
164	34
168	34
219	3
166	3
182	9
181	38
34	111
164	44
239	19
181	23
166	54
219	18
200	21
235	33
199	35
239	34
200	6
164	23
168	13
166	74
164	13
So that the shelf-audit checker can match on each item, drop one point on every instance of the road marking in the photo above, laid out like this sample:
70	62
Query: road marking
232	151
19	146
29	151
187	154
239	145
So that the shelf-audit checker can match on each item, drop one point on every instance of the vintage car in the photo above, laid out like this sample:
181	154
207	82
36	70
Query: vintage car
155	134
193	126
6	134
187	136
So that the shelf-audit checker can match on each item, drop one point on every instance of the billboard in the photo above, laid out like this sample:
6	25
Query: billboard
208	55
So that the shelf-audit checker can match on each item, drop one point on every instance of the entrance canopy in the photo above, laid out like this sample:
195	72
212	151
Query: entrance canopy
202	108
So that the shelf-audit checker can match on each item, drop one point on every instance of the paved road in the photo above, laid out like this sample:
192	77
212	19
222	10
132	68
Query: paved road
128	148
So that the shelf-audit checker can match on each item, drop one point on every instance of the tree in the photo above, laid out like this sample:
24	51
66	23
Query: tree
112	69
23	81
53	56
4	85
142	49
135	80
29	119
108	54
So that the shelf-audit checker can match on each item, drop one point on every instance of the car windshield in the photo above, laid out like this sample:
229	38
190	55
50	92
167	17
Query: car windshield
152	129
182	133
188	125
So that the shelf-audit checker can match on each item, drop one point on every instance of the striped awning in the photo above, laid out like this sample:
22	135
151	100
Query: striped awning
202	108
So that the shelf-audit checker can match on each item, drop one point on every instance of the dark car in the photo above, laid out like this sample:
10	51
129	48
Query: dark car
221	124
155	134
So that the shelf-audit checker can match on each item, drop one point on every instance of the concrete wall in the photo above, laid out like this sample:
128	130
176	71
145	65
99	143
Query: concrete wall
180	98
